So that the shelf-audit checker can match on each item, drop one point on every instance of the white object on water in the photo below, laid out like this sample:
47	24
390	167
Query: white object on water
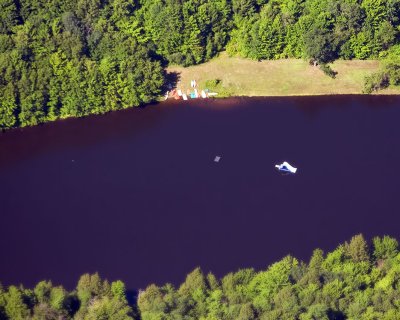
286	167
179	92
203	94
184	96
211	94
217	158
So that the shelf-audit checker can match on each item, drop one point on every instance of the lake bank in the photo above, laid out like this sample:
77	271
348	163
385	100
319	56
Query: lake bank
286	77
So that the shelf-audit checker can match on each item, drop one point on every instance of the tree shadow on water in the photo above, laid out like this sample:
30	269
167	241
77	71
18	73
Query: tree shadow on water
132	297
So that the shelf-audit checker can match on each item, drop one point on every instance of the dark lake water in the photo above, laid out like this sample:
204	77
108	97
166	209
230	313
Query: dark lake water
136	195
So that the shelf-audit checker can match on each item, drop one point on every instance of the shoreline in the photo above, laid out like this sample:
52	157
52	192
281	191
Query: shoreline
234	76
376	94
162	102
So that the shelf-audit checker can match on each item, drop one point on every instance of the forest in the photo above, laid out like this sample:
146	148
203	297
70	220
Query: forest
64	58
357	280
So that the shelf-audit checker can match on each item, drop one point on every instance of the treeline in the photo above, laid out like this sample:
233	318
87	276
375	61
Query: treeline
63	58
321	29
389	73
355	281
93	299
187	32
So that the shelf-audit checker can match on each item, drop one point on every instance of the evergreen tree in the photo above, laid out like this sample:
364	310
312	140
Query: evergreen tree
15	308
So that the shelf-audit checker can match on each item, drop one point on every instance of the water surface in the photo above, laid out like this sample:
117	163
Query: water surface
136	195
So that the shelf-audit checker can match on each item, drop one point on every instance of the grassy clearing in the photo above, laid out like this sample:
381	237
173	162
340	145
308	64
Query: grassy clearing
243	77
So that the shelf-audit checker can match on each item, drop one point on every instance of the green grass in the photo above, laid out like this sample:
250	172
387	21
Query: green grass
286	77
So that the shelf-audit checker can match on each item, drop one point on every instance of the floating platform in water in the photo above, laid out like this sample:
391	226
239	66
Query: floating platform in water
286	167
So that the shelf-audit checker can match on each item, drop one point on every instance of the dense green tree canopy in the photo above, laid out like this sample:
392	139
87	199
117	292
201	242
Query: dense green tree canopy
59	59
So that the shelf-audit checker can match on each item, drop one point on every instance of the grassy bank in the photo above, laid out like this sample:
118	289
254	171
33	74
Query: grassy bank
243	77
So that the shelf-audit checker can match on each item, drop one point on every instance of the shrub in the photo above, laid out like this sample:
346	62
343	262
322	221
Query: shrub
328	71
375	82
214	83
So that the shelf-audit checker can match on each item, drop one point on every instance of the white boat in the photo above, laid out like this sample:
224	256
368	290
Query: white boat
286	167
184	96
211	94
203	94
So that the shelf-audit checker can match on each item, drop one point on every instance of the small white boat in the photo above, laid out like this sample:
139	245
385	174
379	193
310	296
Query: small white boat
286	167
203	94
184	96
211	94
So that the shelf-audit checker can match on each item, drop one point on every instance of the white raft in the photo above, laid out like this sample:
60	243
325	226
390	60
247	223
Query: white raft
286	167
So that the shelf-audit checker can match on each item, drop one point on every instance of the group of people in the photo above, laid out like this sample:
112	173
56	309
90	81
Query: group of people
178	94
